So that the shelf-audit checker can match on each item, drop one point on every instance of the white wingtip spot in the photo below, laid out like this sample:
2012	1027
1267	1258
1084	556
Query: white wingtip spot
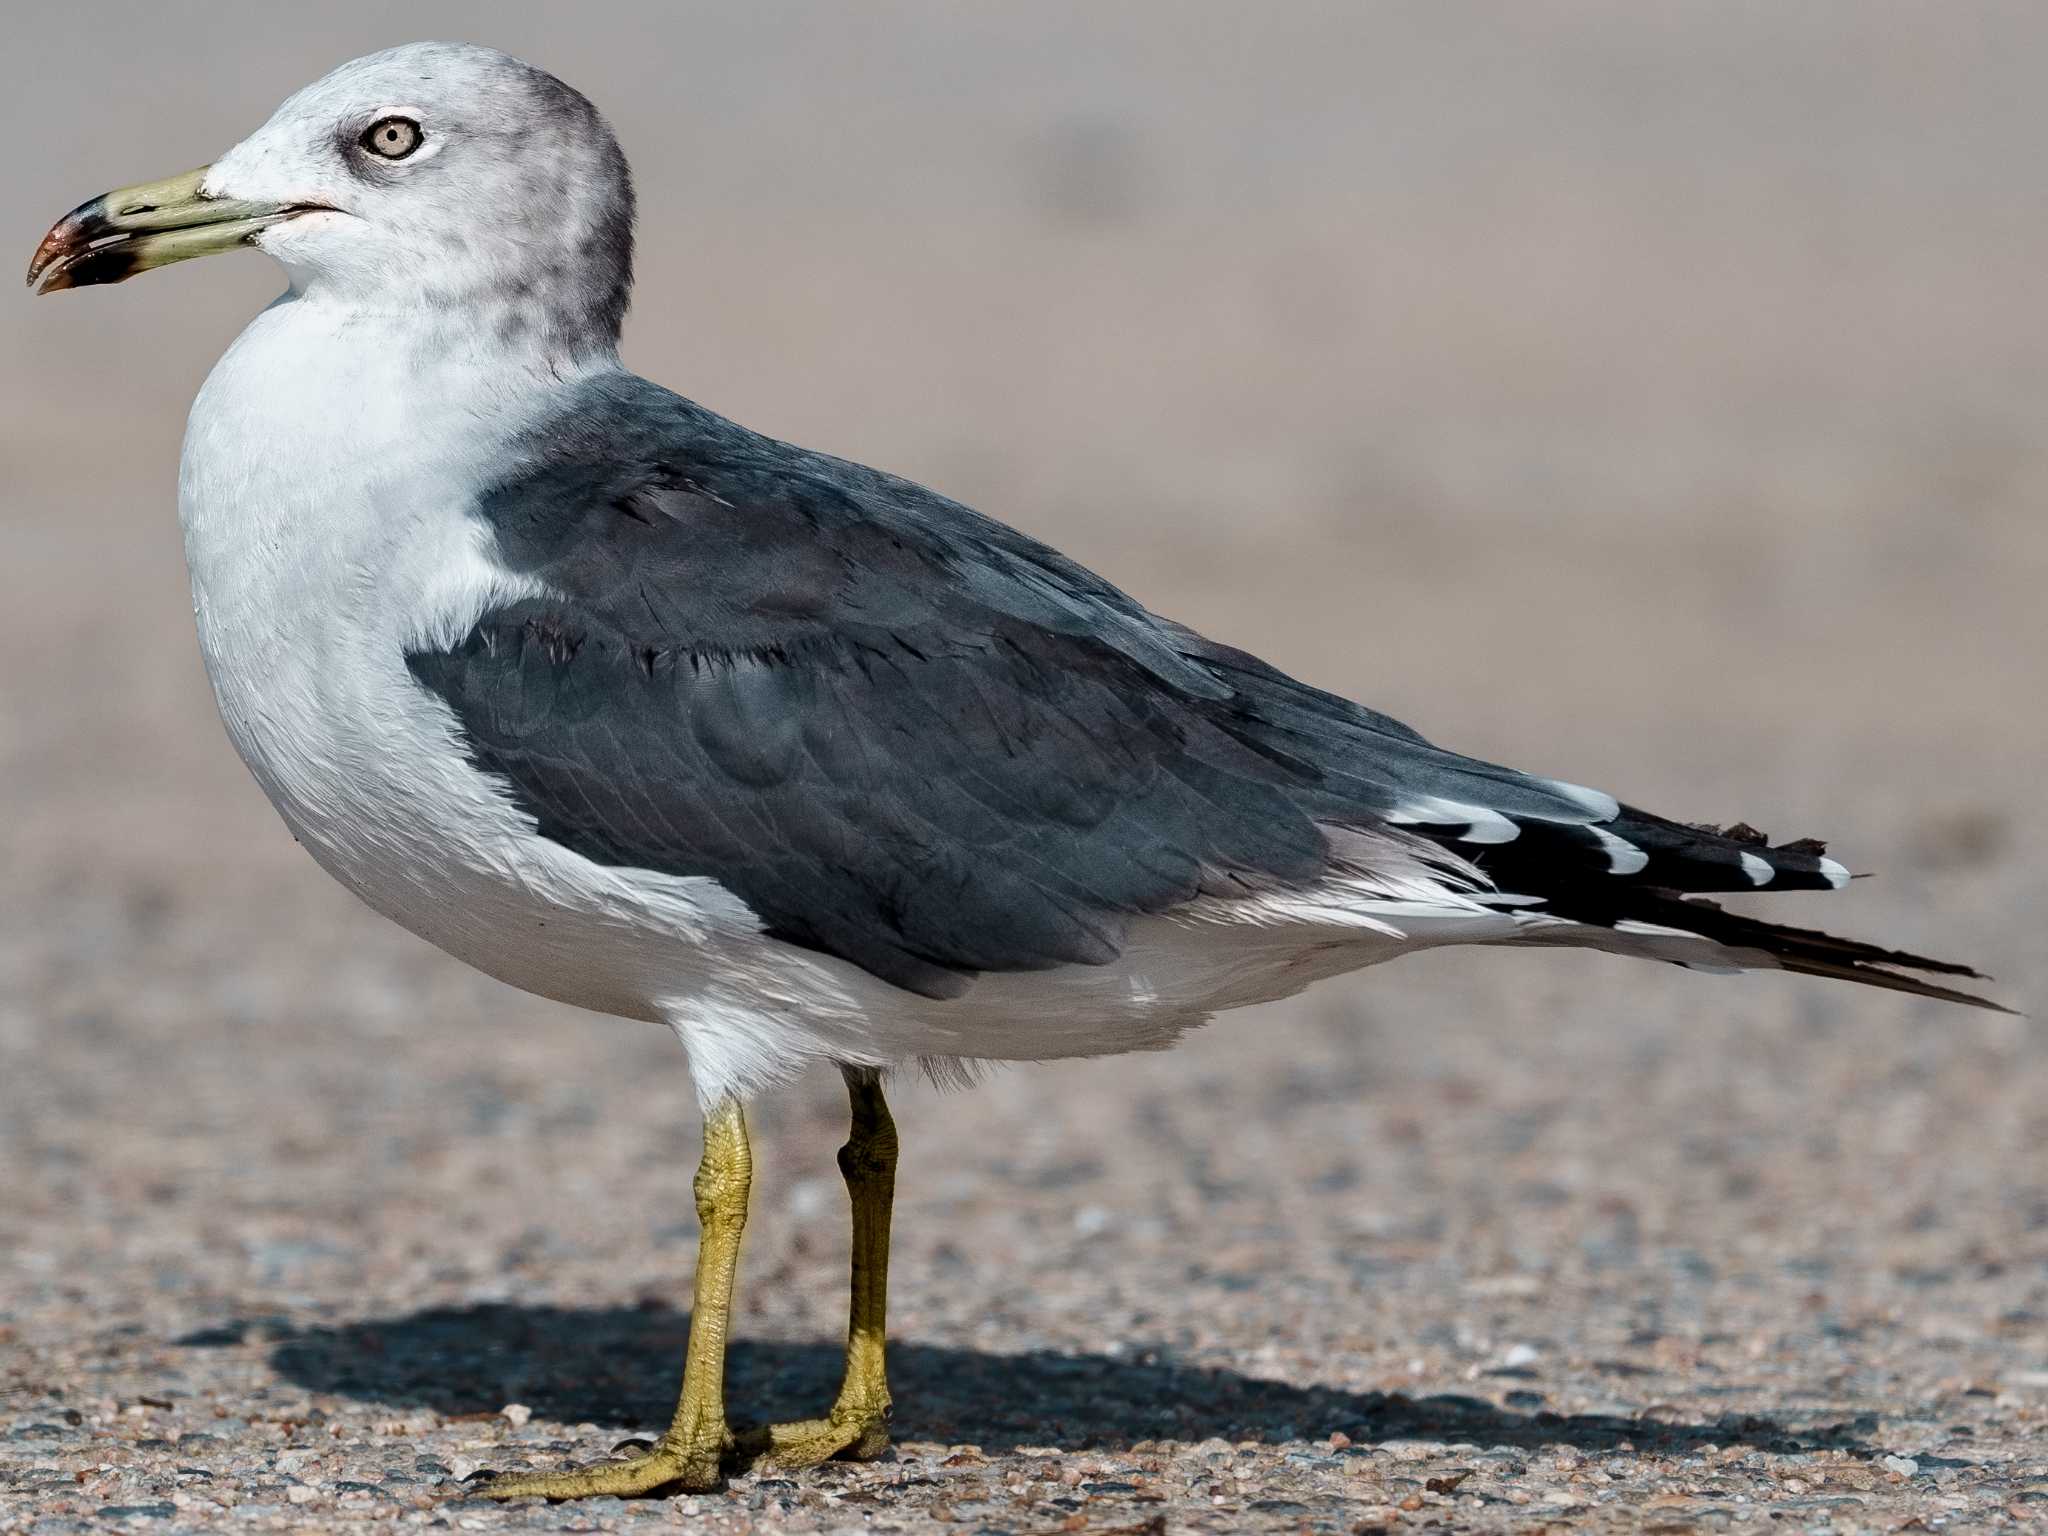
1623	857
1758	871
1603	805
1835	874
1481	825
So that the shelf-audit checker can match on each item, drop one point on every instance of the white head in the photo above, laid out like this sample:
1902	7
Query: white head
440	176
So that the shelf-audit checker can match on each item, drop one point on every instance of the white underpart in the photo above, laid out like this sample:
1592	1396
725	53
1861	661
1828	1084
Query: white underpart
329	466
1835	874
1758	870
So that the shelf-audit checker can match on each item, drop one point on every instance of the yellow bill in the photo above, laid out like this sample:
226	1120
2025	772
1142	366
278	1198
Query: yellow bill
135	229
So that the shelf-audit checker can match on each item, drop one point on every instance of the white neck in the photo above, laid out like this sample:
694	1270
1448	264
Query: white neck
317	406
331	461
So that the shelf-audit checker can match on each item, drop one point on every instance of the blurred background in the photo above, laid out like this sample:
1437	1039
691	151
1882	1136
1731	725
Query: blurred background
1651	395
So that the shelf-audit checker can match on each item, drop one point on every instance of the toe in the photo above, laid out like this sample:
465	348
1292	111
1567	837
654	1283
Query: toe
662	1468
808	1442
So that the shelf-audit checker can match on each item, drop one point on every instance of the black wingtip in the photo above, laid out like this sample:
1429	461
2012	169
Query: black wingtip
1893	981
1810	952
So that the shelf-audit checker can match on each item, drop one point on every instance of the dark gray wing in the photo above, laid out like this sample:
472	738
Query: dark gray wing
902	733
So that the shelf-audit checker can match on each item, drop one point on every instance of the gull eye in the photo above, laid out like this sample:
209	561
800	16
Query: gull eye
392	138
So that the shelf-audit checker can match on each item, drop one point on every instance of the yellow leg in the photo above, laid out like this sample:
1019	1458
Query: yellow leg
688	1454
858	1426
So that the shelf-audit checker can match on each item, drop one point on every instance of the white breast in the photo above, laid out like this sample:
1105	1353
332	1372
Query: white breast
325	490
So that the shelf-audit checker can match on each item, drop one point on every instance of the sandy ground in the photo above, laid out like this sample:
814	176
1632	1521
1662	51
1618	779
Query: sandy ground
1654	396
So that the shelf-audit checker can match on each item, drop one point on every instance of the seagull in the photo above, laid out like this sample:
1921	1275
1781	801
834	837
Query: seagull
637	709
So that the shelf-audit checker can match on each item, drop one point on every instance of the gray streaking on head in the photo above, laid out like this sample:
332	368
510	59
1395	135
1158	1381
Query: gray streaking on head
632	707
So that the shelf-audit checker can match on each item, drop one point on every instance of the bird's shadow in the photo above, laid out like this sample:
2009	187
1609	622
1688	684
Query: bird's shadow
618	1366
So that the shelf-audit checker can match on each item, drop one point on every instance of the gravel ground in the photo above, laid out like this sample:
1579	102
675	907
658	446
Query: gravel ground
1656	399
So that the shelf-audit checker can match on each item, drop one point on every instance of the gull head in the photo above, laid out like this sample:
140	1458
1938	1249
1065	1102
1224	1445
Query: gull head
435	176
